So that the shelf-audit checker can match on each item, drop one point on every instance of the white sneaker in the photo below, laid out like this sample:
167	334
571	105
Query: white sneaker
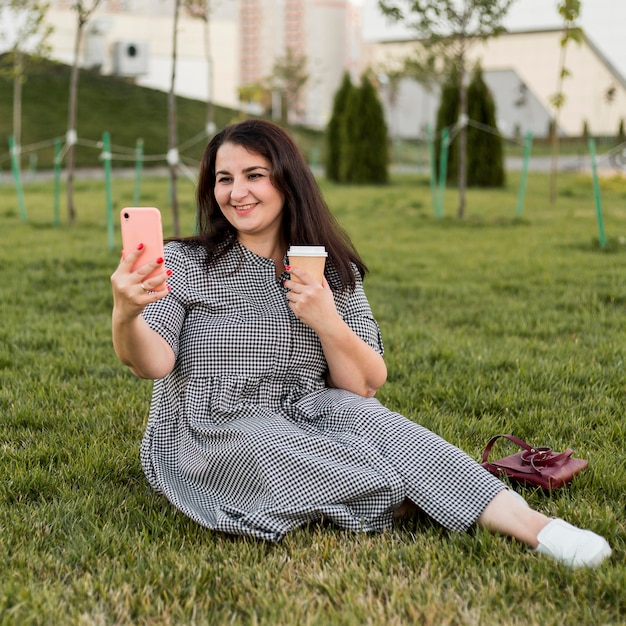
572	546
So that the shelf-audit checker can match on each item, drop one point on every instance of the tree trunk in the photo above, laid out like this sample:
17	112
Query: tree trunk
554	136
71	123
462	137
18	79
210	125
172	155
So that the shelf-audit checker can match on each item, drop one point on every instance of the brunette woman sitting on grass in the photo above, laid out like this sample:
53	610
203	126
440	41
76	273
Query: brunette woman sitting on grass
263	415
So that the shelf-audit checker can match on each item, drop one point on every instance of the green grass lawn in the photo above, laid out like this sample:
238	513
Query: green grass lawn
496	324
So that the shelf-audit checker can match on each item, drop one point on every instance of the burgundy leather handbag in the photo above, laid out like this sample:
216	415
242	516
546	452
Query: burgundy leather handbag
540	467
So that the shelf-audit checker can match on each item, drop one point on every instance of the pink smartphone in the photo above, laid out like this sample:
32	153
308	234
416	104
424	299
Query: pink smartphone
142	225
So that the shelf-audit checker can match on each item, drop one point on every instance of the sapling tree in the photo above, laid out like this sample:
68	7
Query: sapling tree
84	10
446	29
26	35
569	10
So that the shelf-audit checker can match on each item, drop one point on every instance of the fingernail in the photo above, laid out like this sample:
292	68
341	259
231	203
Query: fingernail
169	272
140	246
287	267
160	260
169	288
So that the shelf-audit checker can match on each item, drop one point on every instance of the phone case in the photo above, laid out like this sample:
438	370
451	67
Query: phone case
142	225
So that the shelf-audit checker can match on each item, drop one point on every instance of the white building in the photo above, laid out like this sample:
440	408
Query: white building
134	38
522	70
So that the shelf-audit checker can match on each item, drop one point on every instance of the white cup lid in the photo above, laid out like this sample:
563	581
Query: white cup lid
307	251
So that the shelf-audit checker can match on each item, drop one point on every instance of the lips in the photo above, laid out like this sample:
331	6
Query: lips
244	207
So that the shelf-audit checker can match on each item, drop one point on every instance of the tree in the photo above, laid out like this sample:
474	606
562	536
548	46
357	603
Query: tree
485	160
447	117
365	153
83	10
289	75
256	93
448	28
172	153
201	9
569	10
334	141
27	37
621	135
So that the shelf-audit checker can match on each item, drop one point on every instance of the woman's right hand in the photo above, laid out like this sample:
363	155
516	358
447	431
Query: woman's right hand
132	291
139	347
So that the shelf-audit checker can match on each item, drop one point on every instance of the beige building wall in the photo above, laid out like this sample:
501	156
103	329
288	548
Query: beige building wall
534	56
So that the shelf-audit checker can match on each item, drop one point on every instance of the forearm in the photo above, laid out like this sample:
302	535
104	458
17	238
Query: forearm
352	364
142	349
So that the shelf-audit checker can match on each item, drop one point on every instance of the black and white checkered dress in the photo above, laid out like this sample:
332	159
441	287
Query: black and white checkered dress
244	436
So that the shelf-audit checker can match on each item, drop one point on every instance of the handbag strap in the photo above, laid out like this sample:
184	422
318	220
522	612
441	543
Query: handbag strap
535	457
519	442
544	457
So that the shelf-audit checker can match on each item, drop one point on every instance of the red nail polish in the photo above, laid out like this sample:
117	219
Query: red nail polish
169	288
160	260
140	246
169	272
287	267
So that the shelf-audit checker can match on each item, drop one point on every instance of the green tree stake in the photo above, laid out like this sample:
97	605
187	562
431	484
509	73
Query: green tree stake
138	169
106	157
443	169
528	142
596	190
433	168
58	145
15	164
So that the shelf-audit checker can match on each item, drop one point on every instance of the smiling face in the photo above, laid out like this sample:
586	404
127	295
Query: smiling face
246	195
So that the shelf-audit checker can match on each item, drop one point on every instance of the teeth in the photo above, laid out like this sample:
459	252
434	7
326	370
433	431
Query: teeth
244	207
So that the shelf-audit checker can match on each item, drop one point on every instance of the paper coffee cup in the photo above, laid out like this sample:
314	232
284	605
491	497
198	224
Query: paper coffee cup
311	259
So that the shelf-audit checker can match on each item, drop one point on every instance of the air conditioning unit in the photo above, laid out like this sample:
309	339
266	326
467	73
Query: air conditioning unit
130	58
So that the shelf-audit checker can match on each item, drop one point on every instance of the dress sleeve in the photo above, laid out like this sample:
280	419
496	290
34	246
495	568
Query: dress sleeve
166	316
357	313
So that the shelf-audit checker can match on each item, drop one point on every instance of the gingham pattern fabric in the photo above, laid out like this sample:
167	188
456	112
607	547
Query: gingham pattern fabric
244	436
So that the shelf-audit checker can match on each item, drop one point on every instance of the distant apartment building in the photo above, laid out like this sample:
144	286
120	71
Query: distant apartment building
324	32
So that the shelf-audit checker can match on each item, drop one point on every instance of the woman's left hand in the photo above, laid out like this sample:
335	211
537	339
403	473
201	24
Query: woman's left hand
312	303
352	364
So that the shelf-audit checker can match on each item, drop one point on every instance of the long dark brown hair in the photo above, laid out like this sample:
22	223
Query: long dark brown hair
306	218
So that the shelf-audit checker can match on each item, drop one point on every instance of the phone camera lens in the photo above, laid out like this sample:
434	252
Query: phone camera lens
126	216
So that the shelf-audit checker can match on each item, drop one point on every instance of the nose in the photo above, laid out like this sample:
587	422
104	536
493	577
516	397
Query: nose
239	189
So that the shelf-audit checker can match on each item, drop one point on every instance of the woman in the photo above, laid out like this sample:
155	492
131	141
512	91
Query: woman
263	415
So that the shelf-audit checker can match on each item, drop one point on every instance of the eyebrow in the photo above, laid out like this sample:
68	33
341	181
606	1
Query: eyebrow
246	170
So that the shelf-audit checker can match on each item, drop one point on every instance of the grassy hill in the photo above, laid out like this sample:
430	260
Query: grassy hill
106	103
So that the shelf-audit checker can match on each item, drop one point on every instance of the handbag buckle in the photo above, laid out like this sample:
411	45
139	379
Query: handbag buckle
537	455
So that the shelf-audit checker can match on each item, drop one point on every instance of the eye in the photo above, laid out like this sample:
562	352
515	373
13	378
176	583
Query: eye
224	179
255	175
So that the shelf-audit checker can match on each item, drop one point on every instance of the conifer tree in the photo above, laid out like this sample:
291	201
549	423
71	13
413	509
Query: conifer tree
365	153
447	117
621	136
333	130
485	154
